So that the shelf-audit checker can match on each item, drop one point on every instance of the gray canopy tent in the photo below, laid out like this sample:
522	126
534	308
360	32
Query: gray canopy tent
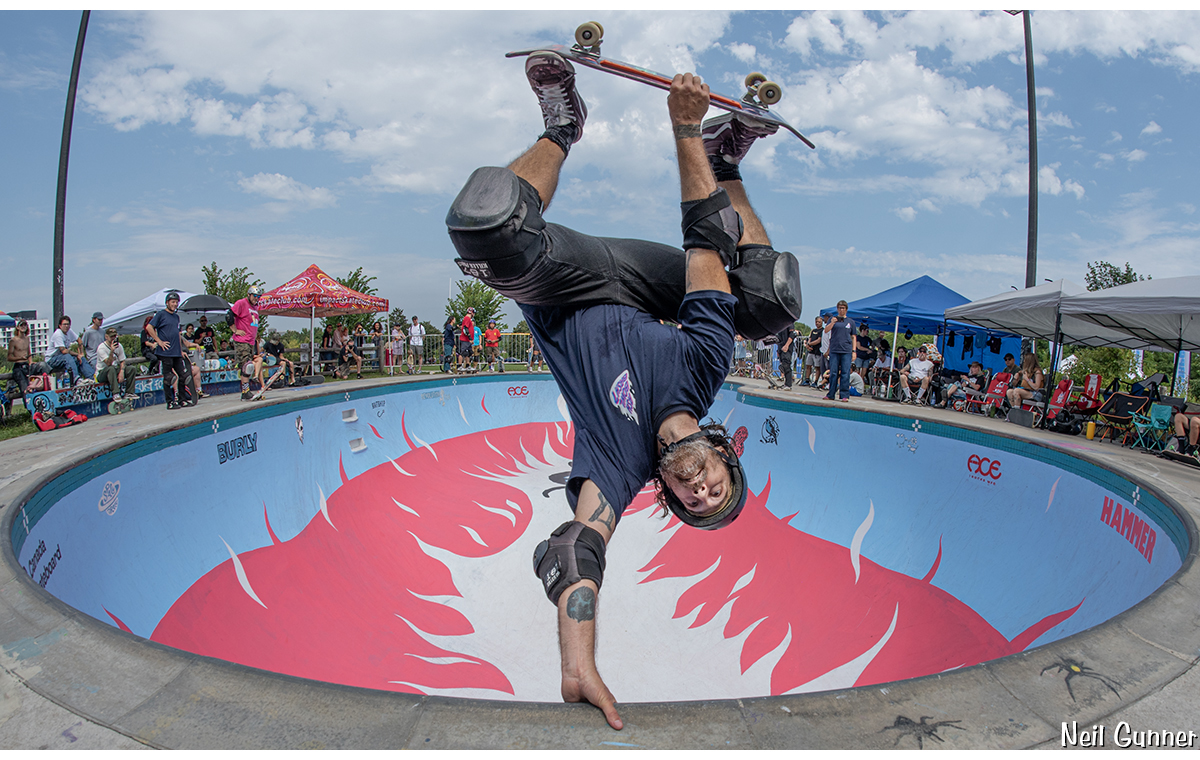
1163	313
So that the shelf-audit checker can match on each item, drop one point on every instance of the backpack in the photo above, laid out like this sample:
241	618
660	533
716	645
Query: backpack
1067	423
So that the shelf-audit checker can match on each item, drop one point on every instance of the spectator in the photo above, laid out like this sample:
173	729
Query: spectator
1010	366
477	347
193	357
206	337
163	329
416	346
110	358
491	340
346	357
341	336
395	346
1187	433
245	335
842	340
864	353
66	353
975	380
918	372
328	352
1032	383
273	350
466	337
377	337
883	362
812	357
788	338
739	355
91	339
148	348
449	342
535	355
19	356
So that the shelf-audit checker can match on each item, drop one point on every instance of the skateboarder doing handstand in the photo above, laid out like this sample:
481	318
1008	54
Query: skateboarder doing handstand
636	389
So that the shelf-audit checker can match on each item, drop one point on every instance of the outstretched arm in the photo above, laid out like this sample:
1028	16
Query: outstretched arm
687	104
581	680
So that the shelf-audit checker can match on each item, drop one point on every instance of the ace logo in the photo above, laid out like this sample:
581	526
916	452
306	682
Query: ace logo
983	469
518	390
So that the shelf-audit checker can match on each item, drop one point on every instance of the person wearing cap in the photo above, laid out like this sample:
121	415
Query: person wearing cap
66	353
449	339
91	339
110	357
273	350
842	340
918	371
164	333
245	334
491	342
466	338
207	338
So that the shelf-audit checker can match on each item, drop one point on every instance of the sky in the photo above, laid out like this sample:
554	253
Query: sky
275	140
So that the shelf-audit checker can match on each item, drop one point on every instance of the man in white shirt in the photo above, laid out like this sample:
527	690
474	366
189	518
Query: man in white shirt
66	353
416	346
917	370
110	358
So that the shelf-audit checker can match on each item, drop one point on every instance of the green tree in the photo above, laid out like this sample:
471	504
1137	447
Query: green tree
1103	275
522	327
232	286
356	280
487	302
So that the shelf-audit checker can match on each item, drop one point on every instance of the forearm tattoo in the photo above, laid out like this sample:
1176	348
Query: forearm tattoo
686	130
605	513
581	605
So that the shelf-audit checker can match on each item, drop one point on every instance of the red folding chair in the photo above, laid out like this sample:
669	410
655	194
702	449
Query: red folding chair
1058	400
981	402
1088	400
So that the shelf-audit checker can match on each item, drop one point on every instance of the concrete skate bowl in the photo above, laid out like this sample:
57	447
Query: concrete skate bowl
382	539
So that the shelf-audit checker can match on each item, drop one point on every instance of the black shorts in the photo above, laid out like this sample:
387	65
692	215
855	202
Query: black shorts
464	348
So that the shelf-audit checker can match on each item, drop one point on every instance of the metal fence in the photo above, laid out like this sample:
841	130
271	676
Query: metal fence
514	351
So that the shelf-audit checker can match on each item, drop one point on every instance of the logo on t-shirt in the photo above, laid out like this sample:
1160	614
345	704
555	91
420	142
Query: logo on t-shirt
621	395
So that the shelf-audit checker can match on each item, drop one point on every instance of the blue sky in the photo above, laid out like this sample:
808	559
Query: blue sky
277	140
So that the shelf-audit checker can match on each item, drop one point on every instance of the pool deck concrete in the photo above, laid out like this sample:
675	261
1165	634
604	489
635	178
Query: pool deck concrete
69	681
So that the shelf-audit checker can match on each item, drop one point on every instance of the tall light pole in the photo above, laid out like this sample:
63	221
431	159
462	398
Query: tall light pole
60	206
1031	243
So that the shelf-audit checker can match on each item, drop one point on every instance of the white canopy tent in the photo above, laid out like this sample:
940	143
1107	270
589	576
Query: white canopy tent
1035	312
128	321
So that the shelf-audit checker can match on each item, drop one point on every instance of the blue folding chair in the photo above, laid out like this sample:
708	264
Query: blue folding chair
1153	429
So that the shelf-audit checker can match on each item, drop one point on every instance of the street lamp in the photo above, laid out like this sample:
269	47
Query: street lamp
60	205
1031	244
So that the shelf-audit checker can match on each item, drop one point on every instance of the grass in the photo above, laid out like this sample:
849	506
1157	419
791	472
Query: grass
19	423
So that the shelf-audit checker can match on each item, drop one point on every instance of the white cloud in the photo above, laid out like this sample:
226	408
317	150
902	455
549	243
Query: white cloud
283	188
1135	155
908	213
1151	129
743	52
1115	138
1049	182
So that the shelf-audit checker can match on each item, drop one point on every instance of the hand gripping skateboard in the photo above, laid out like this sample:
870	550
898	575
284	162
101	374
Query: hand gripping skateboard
760	93
270	381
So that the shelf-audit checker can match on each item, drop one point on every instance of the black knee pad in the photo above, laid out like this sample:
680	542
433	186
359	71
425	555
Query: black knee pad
572	553
495	224
767	287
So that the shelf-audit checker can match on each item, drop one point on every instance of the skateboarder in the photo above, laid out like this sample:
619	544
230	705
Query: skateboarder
636	389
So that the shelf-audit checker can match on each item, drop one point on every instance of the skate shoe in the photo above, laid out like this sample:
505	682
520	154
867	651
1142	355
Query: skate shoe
553	79
729	136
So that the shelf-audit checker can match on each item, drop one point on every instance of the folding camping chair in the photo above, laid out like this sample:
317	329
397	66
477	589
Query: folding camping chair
1116	415
1088	400
979	403
1153	429
1058	400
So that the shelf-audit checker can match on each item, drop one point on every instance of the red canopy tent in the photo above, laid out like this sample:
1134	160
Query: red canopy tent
312	294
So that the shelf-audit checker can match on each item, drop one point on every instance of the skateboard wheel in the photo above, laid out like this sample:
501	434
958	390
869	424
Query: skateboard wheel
769	93
589	34
753	78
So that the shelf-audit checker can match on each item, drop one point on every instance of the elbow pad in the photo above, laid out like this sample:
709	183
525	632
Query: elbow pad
573	552
712	224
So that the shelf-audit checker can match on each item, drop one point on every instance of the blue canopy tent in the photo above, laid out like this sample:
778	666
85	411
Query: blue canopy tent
920	306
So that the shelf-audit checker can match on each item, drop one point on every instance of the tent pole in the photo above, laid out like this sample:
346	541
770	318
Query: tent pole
892	358
1053	368
312	341
1175	371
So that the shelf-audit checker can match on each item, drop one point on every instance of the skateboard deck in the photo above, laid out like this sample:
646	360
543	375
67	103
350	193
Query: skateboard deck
1175	456
760	93
120	406
270	381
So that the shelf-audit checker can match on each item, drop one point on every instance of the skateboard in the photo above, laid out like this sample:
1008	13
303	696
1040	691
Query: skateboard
270	381
120	405
760	93
1175	456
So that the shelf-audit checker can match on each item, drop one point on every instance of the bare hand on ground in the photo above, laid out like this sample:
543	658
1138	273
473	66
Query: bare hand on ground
590	688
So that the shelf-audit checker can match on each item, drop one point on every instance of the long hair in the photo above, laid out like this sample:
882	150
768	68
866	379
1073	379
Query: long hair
717	436
1030	364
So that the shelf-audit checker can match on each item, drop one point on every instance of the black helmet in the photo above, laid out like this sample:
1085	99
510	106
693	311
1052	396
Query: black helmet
737	484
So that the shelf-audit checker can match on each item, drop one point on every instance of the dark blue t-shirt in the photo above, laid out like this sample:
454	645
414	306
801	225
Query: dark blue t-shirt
841	337
166	325
622	373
